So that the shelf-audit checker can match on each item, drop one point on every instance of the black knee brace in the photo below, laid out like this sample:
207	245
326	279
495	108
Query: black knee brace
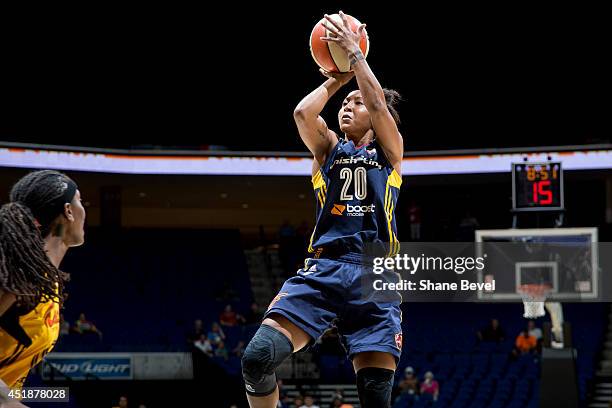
266	350
374	386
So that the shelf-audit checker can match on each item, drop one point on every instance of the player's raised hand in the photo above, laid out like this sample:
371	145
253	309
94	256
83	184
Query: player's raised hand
342	77
342	34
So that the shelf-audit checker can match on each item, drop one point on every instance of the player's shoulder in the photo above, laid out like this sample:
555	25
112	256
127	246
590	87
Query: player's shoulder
335	148
380	154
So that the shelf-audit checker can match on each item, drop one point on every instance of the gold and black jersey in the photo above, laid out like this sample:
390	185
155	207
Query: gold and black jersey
25	340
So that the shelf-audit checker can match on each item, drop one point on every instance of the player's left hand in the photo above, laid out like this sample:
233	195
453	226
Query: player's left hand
342	77
343	35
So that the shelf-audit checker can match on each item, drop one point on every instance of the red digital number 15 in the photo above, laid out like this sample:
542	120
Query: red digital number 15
540	191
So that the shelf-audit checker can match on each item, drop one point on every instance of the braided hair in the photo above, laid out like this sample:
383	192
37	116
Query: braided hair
26	271
392	98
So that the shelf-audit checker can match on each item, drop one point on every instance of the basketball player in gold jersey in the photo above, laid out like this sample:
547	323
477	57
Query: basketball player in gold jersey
43	219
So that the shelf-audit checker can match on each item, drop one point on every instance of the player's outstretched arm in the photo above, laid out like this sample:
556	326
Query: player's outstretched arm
311	126
372	93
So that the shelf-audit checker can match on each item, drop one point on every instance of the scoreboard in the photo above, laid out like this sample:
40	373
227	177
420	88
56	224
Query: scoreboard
537	186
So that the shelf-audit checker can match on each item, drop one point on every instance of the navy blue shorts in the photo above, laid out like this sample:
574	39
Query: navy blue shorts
329	289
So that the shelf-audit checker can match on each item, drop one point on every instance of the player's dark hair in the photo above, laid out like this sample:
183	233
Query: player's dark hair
26	271
392	98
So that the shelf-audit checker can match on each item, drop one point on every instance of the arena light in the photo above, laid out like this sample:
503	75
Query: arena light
126	162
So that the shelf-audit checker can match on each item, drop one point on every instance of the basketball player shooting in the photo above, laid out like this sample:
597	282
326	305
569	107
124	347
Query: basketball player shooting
356	180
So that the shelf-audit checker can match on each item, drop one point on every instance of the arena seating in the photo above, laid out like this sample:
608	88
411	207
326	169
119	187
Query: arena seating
172	277
442	339
144	288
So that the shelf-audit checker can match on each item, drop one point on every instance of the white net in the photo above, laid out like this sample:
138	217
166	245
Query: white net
533	300
533	309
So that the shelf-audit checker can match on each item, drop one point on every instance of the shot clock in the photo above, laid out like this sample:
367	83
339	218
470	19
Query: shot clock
537	186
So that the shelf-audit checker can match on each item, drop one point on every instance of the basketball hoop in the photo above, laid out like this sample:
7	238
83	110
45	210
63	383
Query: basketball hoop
534	296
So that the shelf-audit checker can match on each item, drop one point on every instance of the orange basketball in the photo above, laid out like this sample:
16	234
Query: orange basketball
329	55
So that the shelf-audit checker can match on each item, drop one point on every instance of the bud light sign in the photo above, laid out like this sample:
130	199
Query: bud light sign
88	366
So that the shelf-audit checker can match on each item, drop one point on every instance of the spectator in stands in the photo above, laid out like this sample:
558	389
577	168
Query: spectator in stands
216	335
467	227
303	233
84	326
309	402
414	214
493	332
298	401
430	386
286	243
338	401
410	383
204	345
196	333
221	351
142	406
123	402
238	351
534	331
286	230
229	317
254	315
284	401
525	343
283	398
338	394
64	326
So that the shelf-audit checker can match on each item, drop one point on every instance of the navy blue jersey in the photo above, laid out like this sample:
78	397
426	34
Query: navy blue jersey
356	192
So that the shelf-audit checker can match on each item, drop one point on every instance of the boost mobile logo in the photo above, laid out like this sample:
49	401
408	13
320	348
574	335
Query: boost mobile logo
338	209
352	210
